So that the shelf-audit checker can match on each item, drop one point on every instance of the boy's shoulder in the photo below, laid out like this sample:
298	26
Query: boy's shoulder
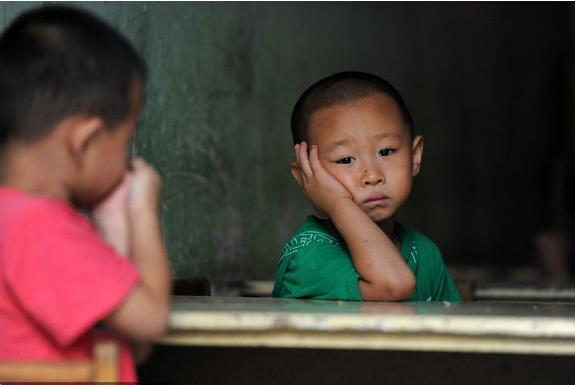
14	202
22	213
316	264
16	205
311	233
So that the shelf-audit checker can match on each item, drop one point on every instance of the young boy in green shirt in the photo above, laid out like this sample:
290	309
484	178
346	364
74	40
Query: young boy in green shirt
356	154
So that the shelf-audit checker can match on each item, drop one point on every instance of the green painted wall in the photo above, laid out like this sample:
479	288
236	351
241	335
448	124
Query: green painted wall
224	76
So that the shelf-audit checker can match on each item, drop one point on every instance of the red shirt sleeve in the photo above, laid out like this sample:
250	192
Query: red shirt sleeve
62	273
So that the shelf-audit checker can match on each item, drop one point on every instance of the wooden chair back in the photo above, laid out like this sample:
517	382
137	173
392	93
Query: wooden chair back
103	367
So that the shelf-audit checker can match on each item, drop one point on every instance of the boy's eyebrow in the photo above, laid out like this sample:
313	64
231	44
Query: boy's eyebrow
343	142
337	144
387	134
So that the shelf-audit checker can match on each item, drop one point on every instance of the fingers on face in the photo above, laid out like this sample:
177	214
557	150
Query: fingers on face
314	159
296	153
303	160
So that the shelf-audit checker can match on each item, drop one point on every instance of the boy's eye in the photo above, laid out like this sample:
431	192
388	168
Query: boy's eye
386	151
345	160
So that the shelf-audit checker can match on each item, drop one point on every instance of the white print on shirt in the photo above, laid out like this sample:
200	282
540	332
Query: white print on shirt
304	239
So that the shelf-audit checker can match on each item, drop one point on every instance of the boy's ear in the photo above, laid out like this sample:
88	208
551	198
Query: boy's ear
82	132
294	168
416	155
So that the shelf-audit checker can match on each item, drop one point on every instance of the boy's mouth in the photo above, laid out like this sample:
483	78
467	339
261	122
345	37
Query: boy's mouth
376	199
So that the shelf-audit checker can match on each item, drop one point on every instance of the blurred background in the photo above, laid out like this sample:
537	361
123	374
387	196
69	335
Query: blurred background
490	86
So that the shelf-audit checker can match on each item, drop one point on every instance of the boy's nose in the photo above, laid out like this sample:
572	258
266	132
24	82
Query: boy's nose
372	177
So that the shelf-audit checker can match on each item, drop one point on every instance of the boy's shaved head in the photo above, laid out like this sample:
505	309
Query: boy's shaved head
58	61
340	88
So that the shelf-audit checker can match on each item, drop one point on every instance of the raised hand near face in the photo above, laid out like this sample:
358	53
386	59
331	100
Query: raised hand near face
321	188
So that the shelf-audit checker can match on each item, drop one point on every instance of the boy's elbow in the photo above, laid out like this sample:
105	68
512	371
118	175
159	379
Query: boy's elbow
159	321
407	288
403	288
397	293
163	323
142	317
153	328
158	328
389	291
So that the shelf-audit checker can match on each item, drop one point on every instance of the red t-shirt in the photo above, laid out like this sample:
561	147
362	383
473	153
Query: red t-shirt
58	279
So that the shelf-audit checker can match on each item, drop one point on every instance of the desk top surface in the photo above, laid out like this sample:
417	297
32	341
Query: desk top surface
469	318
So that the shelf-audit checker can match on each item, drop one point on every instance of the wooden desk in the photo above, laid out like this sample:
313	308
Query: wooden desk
246	341
442	327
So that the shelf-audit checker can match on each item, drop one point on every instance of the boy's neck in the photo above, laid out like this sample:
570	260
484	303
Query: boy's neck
36	168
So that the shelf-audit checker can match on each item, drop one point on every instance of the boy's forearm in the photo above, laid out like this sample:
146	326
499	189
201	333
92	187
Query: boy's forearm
115	232
144	313
385	275
149	255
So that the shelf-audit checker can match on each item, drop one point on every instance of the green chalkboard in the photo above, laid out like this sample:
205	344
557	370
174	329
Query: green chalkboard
223	78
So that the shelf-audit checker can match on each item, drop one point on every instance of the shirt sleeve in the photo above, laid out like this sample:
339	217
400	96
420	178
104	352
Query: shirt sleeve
325	272
63	275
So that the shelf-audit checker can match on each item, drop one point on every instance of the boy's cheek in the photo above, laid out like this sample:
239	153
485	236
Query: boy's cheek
324	162
348	181
335	172
341	174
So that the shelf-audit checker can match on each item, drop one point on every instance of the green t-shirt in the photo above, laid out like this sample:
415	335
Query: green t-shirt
315	264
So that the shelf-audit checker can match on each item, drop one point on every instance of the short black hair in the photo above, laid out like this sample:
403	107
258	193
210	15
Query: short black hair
340	88
57	61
